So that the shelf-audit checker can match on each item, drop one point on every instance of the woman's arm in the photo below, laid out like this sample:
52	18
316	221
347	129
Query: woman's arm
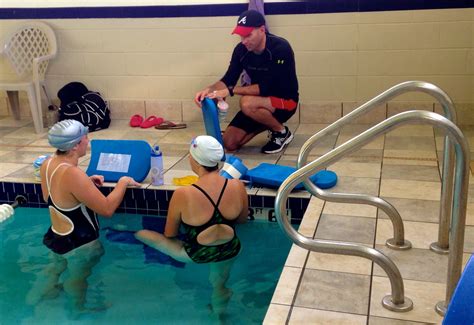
245	203
44	186
85	191
98	180
173	220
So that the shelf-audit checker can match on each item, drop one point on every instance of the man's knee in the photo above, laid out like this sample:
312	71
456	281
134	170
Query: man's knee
246	105
231	143
233	138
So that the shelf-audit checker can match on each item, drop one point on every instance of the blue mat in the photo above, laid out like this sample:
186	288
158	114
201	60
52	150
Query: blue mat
116	158
270	175
152	256
461	308
211	120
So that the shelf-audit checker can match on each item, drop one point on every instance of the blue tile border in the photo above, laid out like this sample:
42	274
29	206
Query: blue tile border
214	10
152	202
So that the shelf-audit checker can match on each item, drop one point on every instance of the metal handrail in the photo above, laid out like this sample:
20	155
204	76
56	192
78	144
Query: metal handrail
396	301
398	241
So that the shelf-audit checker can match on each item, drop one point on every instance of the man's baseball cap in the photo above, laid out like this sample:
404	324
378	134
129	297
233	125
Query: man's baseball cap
247	22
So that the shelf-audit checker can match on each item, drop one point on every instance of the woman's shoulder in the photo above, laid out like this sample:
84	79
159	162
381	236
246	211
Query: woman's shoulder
182	192
74	171
237	183
210	184
74	174
53	163
46	162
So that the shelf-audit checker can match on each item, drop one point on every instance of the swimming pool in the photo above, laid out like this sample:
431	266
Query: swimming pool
139	284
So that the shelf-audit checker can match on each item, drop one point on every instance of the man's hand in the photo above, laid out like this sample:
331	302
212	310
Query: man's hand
201	95
219	93
98	180
216	90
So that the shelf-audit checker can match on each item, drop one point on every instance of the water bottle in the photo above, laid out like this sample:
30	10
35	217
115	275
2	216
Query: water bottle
156	166
223	108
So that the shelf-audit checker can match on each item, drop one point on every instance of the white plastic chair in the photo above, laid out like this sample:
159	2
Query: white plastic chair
29	49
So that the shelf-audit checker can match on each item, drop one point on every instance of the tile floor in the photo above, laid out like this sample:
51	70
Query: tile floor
315	288
403	168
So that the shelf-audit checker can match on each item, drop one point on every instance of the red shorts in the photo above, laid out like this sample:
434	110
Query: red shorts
285	104
284	110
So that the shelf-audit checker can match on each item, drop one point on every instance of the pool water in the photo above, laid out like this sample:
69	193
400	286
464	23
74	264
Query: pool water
138	283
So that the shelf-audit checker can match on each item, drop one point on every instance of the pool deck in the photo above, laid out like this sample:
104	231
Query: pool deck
403	167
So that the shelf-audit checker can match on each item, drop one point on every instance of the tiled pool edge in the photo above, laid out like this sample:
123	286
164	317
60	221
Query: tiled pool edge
155	201
281	305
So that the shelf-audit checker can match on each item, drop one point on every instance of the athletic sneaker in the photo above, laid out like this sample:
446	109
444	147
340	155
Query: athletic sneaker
277	141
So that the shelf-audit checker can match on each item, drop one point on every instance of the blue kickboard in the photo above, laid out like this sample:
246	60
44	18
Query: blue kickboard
116	158
461	310
211	119
270	175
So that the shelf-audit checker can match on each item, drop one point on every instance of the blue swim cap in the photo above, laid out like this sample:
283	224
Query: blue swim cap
66	134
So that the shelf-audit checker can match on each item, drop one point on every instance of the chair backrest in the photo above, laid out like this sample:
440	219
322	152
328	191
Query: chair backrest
30	41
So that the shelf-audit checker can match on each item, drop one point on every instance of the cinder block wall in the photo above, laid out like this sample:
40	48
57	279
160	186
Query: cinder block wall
155	66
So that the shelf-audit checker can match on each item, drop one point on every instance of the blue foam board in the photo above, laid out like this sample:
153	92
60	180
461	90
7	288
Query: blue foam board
116	158
211	120
270	175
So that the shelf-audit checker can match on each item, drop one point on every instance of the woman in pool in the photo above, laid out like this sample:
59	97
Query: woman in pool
208	212
74	200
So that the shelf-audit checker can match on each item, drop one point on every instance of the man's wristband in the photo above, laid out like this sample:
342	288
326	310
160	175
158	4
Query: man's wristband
231	90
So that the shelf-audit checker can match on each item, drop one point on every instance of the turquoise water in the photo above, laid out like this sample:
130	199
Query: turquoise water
135	281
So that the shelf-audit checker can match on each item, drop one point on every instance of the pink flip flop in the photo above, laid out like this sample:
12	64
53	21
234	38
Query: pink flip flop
151	121
136	120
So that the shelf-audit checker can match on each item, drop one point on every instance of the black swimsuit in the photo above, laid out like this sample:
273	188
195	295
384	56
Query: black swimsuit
210	253
85	226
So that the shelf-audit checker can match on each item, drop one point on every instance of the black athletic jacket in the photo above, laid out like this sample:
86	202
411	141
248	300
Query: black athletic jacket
273	70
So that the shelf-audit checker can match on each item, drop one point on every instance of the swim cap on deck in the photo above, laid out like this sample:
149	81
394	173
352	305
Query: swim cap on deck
206	150
66	134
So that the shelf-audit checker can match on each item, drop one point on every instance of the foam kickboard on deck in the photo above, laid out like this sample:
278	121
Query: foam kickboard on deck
272	176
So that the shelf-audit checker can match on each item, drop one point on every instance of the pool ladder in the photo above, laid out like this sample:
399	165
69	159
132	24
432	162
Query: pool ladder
7	210
452	210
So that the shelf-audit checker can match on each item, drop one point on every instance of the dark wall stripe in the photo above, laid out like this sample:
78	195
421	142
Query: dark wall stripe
281	8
